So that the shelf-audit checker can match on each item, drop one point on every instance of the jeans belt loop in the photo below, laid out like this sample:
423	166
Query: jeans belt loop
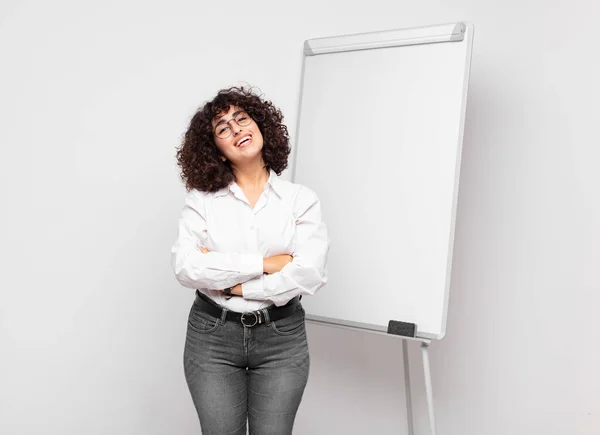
224	315
265	314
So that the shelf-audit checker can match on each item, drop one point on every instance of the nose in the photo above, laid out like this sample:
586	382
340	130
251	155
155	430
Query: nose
235	128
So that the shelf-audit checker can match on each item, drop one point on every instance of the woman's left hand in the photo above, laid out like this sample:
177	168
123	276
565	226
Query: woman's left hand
236	290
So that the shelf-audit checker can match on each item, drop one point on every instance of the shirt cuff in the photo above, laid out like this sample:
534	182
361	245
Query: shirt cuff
253	289
251	264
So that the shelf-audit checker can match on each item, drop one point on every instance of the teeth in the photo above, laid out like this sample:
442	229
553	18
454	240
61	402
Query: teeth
243	140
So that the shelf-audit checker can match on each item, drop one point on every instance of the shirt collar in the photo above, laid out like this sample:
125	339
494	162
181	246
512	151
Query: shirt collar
273	181
222	192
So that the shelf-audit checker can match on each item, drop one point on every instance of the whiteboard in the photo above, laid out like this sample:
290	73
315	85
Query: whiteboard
379	139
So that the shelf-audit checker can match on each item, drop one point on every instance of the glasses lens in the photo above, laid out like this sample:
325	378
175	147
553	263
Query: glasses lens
243	119
223	131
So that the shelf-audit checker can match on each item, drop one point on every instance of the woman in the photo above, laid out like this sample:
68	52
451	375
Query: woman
251	244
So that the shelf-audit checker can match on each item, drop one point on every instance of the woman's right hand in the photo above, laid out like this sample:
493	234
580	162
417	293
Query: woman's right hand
275	263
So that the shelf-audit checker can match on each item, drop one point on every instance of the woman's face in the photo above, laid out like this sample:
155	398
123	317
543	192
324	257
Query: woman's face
237	136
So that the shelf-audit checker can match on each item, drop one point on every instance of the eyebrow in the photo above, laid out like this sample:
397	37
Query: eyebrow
233	115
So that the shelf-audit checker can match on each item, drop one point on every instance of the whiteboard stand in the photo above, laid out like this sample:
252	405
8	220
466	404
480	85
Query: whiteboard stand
425	342
349	87
407	391
428	388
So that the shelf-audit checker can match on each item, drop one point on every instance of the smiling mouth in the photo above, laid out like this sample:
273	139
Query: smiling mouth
245	141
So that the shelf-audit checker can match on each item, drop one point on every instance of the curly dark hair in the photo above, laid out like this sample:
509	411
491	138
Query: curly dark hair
198	156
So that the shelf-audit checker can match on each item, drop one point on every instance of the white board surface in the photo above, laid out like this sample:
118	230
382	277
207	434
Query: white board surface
379	140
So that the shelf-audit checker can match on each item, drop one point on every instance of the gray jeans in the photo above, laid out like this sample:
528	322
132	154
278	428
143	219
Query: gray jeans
237	374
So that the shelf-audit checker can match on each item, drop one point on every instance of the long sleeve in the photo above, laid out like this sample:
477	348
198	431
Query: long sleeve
307	272
214	270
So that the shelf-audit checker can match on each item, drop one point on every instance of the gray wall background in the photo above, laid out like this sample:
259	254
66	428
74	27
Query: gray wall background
94	98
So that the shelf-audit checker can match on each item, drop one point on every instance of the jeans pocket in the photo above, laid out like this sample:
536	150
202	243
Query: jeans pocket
291	324
201	322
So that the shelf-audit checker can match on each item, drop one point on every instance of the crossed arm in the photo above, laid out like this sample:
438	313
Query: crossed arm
271	265
250	275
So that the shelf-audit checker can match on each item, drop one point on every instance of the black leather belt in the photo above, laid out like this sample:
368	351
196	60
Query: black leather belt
250	318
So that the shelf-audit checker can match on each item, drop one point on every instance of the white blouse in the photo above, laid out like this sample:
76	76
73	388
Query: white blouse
285	220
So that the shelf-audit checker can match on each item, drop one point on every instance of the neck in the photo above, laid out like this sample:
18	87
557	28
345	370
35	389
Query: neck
252	176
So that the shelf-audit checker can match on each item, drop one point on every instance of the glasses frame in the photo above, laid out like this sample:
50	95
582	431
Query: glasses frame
235	119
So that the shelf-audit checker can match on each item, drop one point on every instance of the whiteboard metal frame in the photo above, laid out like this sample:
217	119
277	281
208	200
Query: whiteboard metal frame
443	33
389	38
452	32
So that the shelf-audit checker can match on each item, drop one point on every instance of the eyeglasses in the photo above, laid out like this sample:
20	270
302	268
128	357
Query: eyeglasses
223	129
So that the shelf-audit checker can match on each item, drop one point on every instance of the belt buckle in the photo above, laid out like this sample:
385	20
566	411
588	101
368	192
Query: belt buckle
243	319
